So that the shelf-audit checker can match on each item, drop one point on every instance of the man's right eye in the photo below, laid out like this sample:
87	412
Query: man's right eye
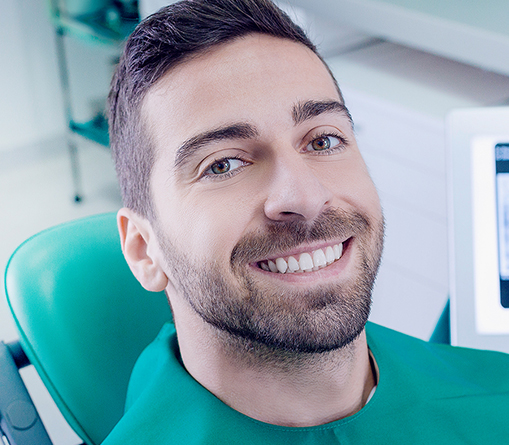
224	167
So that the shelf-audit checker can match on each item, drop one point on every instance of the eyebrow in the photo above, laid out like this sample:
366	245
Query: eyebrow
303	111
234	131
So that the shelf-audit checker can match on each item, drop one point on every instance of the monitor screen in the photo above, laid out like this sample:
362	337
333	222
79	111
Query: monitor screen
478	145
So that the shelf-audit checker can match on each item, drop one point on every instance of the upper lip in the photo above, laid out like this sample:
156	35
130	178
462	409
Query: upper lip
301	249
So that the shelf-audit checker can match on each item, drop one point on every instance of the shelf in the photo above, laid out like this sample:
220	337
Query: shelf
475	33
106	27
95	130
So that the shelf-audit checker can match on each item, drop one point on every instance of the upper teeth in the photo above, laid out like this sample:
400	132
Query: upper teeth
307	261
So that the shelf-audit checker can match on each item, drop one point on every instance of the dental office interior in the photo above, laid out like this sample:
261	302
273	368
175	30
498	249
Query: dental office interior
403	65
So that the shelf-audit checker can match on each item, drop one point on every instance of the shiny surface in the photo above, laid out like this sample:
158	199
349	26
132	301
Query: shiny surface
83	318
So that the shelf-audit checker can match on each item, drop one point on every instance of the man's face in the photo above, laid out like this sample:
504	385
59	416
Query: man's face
257	186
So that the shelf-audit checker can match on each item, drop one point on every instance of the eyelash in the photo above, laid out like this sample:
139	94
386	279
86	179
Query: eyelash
226	175
342	143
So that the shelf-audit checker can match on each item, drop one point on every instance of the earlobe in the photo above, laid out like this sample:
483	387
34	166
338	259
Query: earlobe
141	250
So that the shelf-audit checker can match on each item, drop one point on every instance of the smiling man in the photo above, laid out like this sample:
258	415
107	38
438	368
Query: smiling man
248	202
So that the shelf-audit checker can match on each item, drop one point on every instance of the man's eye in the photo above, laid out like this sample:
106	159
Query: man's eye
224	166
324	143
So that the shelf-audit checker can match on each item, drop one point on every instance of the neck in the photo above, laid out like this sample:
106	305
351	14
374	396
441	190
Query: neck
280	388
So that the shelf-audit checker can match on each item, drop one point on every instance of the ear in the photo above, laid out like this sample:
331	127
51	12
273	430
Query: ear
141	250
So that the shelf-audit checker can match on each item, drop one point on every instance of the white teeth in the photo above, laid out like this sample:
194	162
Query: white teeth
319	258
272	266
282	265
307	261
329	255
293	264
338	250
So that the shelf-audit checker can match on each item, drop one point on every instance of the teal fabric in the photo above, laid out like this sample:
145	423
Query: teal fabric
442	331
83	319
427	394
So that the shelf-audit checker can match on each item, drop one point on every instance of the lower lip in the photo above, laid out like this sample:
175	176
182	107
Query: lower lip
332	270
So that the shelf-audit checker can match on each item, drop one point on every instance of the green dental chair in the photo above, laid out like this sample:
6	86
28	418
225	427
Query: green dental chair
83	320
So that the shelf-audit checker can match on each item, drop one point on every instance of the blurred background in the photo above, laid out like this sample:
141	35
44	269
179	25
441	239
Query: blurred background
403	65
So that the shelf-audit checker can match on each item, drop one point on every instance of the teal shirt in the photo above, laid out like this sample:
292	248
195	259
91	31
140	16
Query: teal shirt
427	394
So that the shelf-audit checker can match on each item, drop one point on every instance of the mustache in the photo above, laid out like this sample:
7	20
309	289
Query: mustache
331	224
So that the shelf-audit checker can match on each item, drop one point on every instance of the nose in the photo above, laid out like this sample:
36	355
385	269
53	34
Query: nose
295	191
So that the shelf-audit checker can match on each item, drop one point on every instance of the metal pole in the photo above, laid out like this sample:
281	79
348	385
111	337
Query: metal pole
64	78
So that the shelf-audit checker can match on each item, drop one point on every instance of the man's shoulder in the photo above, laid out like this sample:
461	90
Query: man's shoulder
450	368
433	393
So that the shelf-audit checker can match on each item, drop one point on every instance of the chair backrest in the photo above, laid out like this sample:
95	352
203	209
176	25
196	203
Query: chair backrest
83	319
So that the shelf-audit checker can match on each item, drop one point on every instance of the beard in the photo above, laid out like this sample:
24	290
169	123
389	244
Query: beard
284	320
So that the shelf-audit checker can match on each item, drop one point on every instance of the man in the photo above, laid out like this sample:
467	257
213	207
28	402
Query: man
248	202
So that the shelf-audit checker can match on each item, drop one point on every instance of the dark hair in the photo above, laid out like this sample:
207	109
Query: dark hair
159	43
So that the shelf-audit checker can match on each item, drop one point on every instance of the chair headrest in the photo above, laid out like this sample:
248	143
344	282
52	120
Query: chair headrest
83	318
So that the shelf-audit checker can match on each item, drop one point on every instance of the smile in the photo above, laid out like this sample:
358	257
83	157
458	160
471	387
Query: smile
305	262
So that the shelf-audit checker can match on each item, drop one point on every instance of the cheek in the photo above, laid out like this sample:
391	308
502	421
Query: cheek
368	199
211	228
350	181
218	218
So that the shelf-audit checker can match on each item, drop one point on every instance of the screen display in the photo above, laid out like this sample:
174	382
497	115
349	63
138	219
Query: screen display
502	183
490	230
478	180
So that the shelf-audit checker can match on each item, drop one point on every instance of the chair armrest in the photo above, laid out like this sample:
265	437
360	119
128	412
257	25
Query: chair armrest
19	421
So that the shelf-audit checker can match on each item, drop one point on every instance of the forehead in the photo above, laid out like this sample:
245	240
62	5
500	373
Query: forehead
256	79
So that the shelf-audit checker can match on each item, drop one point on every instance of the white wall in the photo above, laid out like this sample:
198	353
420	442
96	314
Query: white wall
30	97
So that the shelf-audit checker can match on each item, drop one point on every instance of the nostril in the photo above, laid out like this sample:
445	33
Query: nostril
286	215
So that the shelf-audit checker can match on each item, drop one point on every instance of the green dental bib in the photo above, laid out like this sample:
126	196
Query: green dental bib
427	393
